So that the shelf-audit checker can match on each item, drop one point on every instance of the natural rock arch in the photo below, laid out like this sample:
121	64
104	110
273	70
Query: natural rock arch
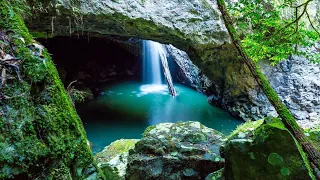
194	26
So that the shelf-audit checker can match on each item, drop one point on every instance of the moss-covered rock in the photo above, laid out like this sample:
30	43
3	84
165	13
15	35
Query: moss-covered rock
41	134
173	151
114	158
314	135
264	150
218	175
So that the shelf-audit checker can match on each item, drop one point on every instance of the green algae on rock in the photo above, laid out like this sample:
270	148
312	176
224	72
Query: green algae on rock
260	150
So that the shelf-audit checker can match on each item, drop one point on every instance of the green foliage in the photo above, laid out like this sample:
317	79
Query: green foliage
265	34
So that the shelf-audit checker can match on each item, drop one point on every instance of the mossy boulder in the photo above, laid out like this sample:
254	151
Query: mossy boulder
173	151
113	159
264	150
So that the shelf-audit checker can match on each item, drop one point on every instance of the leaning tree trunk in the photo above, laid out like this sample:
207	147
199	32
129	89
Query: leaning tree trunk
167	74
286	116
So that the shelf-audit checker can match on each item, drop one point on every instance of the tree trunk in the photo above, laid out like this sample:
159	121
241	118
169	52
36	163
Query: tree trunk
286	116
167	74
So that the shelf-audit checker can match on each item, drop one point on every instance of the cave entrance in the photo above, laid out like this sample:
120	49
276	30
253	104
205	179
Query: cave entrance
117	102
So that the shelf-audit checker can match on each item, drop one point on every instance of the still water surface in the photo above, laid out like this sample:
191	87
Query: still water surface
124	110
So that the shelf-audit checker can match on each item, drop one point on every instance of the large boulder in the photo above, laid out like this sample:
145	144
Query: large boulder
171	151
113	159
264	150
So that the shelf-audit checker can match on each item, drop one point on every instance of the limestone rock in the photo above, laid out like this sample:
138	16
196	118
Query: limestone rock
185	150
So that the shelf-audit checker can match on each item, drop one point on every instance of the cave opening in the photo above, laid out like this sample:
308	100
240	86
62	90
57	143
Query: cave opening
104	76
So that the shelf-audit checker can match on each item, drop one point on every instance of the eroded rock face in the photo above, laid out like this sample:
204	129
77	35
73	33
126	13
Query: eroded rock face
195	22
186	150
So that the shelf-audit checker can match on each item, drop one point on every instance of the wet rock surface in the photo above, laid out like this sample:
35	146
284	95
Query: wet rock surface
188	73
186	150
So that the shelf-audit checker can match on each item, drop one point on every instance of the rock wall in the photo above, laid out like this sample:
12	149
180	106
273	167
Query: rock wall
297	82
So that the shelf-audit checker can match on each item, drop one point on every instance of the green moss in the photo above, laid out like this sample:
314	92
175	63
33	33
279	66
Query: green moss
44	136
285	171
37	35
115	149
217	175
245	127
148	129
275	159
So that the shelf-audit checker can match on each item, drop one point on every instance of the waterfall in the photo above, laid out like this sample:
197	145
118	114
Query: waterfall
151	63
153	53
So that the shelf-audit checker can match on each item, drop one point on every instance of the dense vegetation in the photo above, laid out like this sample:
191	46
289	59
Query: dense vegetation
276	30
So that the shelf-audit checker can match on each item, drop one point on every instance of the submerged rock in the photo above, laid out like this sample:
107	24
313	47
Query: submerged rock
264	151
114	158
185	150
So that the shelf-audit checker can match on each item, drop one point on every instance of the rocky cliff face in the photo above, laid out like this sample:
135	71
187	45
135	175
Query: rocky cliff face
297	82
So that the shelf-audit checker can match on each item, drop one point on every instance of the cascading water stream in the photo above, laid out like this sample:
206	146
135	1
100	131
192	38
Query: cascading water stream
151	63
153	53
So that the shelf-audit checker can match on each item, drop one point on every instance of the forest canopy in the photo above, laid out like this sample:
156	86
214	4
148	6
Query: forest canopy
273	30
